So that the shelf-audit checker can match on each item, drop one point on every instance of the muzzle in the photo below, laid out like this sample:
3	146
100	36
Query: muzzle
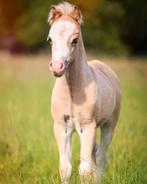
57	67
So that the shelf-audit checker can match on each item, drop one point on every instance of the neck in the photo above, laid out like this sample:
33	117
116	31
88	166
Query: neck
77	70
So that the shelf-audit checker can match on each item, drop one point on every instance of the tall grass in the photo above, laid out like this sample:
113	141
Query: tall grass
28	152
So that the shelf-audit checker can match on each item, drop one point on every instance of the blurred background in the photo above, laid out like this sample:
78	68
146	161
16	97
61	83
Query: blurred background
110	26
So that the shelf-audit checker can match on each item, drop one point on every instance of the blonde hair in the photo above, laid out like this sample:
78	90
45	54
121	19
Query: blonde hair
65	9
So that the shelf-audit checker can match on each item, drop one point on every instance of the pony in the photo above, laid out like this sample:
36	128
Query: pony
86	96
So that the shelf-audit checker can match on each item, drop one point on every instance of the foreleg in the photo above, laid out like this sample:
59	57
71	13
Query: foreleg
63	134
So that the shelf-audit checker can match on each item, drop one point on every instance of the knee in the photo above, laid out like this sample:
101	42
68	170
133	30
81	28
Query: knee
65	170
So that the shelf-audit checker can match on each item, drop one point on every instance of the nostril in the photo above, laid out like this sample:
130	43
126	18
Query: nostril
50	66
61	66
56	66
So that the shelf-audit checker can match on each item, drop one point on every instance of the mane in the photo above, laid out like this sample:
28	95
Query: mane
65	9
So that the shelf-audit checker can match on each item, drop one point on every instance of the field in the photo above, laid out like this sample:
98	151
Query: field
28	152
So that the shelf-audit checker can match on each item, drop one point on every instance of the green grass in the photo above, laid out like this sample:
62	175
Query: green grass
28	152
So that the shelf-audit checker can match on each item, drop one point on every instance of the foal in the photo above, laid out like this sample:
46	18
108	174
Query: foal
85	95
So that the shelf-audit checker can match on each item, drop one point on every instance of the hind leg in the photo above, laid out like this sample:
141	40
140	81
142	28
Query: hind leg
101	154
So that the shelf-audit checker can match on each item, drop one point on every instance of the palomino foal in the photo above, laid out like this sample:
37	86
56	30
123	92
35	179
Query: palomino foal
85	96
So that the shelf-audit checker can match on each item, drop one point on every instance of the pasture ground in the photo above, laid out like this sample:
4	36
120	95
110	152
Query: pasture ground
28	152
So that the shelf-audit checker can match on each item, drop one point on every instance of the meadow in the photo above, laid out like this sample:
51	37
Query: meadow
28	151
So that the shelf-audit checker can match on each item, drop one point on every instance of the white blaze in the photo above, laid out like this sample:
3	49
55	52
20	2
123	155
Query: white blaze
60	33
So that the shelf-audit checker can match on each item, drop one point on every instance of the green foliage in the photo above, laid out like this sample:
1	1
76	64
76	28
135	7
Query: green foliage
28	152
103	28
110	26
31	28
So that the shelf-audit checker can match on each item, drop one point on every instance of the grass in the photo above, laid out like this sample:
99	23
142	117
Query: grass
28	152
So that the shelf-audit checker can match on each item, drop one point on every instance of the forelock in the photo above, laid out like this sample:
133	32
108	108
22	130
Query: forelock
67	10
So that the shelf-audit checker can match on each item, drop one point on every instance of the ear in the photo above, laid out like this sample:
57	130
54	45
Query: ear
54	14
77	15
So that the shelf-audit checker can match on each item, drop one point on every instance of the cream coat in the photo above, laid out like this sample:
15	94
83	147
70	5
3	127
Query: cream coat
85	96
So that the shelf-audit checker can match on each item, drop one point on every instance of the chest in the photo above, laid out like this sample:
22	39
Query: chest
79	105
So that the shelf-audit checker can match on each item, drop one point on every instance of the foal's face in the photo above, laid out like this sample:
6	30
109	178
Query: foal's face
63	37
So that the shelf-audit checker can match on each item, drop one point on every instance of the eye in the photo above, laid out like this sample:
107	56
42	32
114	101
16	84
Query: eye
49	40
74	42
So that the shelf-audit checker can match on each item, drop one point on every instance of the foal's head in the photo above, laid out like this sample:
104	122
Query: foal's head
65	20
